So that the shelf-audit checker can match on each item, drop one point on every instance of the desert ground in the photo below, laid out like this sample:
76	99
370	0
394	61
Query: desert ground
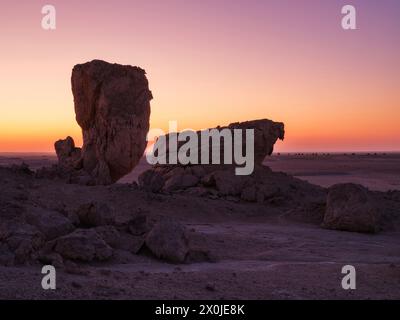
377	171
253	251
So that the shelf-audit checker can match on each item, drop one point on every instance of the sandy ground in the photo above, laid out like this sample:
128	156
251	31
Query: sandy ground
256	261
257	253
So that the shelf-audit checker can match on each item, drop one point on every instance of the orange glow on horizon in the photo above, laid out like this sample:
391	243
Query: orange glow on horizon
208	65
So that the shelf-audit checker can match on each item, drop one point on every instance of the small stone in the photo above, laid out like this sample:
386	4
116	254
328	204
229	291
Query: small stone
210	287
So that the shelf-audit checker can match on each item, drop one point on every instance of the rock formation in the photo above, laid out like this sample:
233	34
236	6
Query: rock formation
266	133
221	181
112	106
218	182
58	233
69	157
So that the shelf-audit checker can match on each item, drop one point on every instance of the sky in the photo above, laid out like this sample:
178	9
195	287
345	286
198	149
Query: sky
209	63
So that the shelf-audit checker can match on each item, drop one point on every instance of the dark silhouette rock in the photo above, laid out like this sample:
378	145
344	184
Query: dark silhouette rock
266	133
112	106
69	157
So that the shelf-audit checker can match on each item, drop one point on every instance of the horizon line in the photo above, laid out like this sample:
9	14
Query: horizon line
274	153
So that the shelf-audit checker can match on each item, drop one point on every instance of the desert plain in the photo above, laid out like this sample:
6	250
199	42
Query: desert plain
246	250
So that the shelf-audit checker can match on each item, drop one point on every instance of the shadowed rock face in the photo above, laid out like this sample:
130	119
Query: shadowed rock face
69	157
266	133
112	106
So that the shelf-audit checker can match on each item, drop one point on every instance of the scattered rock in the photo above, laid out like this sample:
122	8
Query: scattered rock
83	245
22	240
151	181
95	214
52	258
180	182
263	186
51	223
168	240
22	168
130	243
350	207
110	235
198	191
75	269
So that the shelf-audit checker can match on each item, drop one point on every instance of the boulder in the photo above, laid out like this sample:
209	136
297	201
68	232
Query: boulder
51	258
229	184
112	106
109	234
168	240
50	223
130	243
350	207
180	182
83	245
151	180
95	214
69	157
22	240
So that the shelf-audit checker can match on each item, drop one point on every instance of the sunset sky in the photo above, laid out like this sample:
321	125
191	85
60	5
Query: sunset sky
211	62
